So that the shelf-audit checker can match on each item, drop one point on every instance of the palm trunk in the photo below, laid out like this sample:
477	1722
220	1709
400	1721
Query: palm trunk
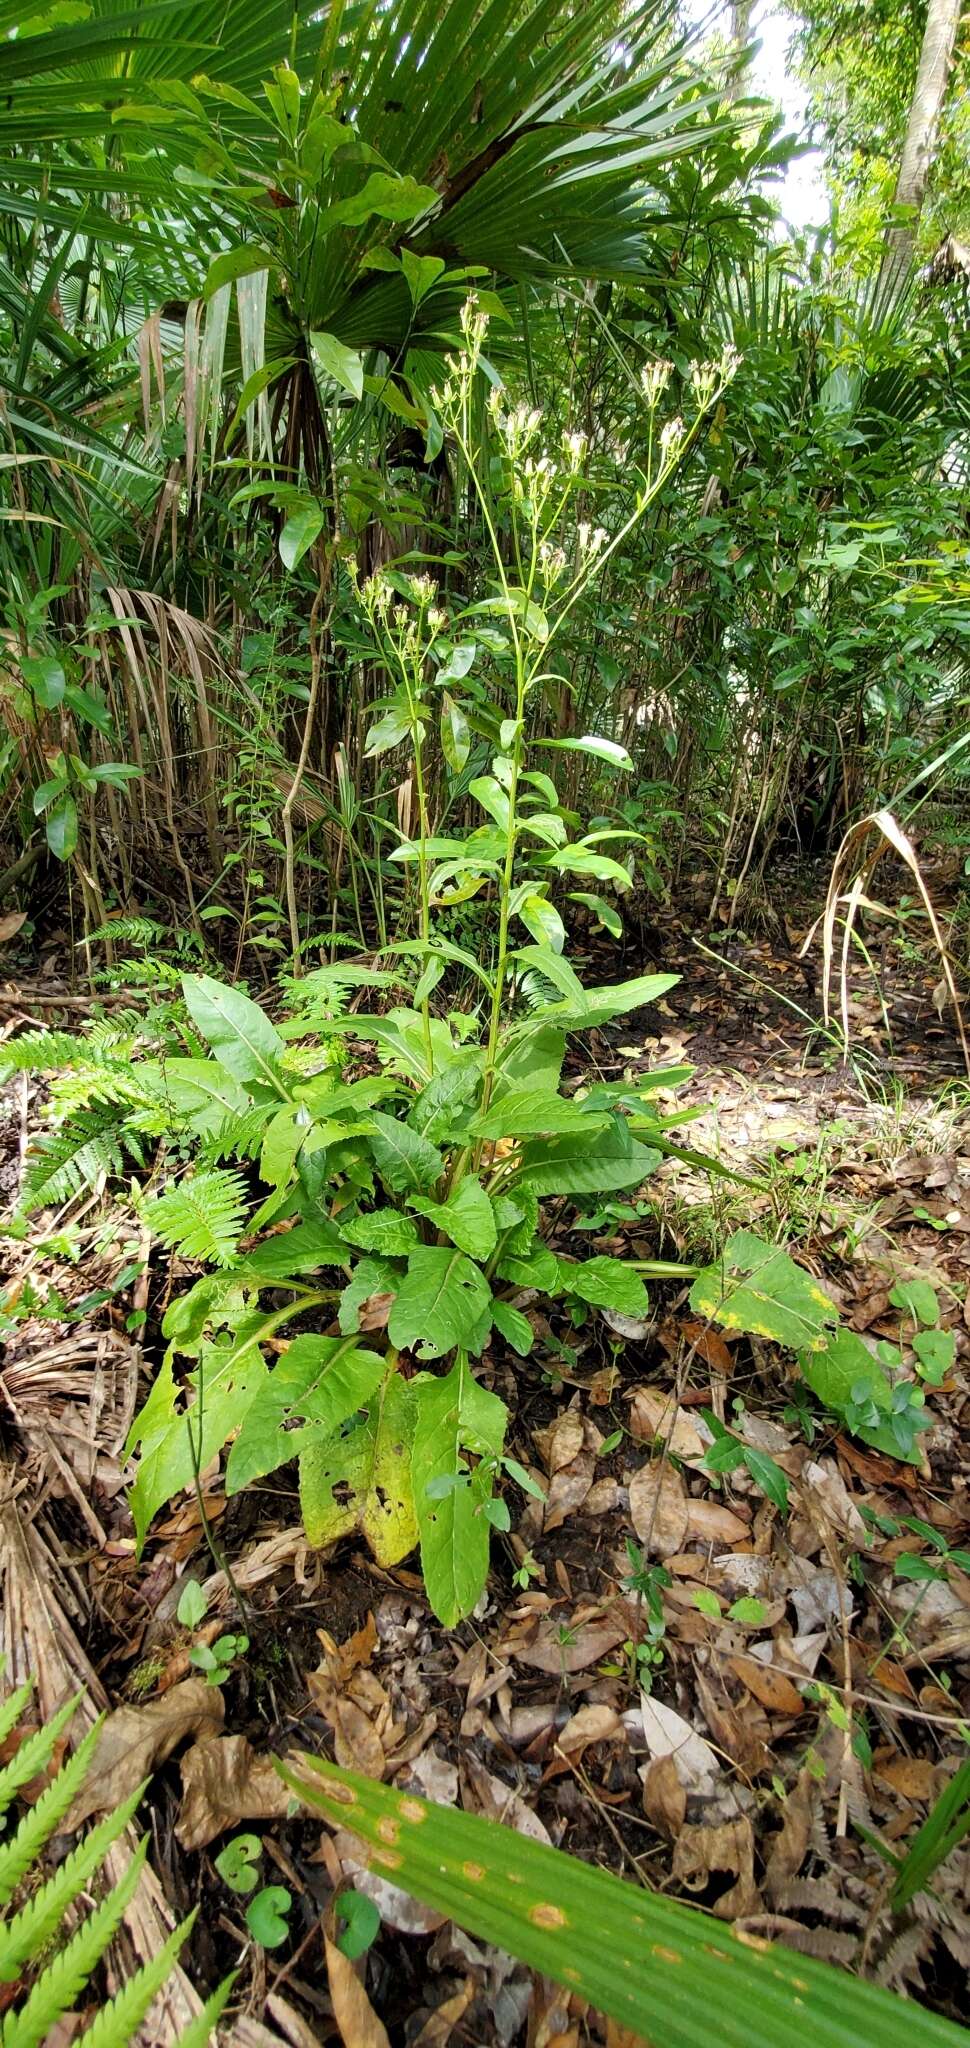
919	147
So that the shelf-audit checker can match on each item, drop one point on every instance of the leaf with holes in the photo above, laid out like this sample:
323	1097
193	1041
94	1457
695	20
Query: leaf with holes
454	1416
360	1479
318	1383
440	1304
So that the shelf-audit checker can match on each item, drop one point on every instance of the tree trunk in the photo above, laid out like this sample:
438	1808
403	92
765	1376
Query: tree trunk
919	147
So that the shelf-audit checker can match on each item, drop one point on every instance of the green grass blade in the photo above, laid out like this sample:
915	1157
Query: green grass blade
668	1972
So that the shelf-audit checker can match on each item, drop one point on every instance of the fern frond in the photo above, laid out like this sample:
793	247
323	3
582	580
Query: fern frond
22	1937
129	931
201	1217
65	1163
38	1052
33	1754
239	1137
108	1084
65	1976
10	1713
118	2022
196	2034
21	1852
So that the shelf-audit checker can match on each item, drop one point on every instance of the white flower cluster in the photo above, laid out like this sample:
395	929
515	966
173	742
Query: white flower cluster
655	378
592	539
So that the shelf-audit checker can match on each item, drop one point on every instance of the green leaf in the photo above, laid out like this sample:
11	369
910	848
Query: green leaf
467	1217
542	919
361	1479
589	743
422	272
771	1479
382	1230
243	261
609	918
359	1921
240	1034
440	1303
193	1605
598	1164
455	734
370	1276
513	1326
757	1287
936	1351
385	194
606	1283
661	1969
407	1162
453	1415
167	1434
343	364
61	827
237	1863
918	1299
266	1915
529	1112
319	1382
707	1602
46	679
302	528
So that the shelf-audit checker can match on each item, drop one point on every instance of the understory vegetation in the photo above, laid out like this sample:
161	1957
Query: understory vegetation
485	907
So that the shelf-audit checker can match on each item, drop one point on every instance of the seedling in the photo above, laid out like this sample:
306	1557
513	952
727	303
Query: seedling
727	1452
216	1660
358	1922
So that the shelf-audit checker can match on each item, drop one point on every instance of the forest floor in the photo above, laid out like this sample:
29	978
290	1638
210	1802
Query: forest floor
743	1759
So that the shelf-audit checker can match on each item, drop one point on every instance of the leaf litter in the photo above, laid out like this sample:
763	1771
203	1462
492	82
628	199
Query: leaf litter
807	1671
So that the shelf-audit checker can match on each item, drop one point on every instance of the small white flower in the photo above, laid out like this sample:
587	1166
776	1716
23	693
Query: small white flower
574	448
671	437
654	378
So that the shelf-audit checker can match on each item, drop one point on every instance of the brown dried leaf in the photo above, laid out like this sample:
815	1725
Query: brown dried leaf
595	1723
709	1523
135	1740
224	1781
585	1643
568	1490
770	1687
654	1414
790	1846
562	1441
730	1847
342	1660
659	1509
742	1732
913	1777
355	2016
11	924
664	1796
438	2030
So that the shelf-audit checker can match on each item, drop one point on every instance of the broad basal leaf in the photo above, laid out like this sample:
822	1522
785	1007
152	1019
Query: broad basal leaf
177	1435
406	1161
845	1376
513	1326
606	1283
240	1034
370	1276
587	1165
441	1303
383	1230
528	1112
454	1416
757	1287
467	1217
320	1382
361	1478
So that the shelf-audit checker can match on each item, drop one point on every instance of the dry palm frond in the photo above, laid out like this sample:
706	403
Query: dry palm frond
853	861
37	1600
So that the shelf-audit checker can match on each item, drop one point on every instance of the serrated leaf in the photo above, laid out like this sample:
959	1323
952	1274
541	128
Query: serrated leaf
407	1162
530	1112
606	1283
757	1287
467	1218
319	1382
608	1160
513	1326
361	1479
453	1415
382	1230
440	1302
